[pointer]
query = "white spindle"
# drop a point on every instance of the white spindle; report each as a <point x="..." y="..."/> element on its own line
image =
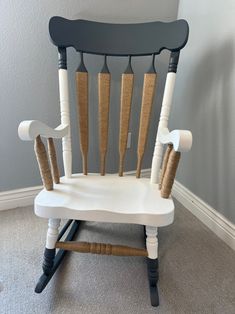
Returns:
<point x="65" y="120"/>
<point x="163" y="123"/>
<point x="52" y="233"/>
<point x="152" y="242"/>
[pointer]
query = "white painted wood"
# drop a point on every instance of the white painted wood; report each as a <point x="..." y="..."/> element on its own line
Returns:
<point x="152" y="242"/>
<point x="25" y="197"/>
<point x="181" y="139"/>
<point x="163" y="123"/>
<point x="65" y="120"/>
<point x="52" y="233"/>
<point x="220" y="225"/>
<point x="107" y="199"/>
<point x="18" y="198"/>
<point x="28" y="130"/>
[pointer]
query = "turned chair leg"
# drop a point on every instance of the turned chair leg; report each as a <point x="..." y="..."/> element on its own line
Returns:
<point x="51" y="260"/>
<point x="152" y="263"/>
<point x="49" y="253"/>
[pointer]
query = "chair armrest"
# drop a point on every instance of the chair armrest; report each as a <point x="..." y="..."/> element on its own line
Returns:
<point x="181" y="139"/>
<point x="33" y="130"/>
<point x="28" y="130"/>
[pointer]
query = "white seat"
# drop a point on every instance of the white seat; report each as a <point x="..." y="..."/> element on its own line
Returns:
<point x="107" y="199"/>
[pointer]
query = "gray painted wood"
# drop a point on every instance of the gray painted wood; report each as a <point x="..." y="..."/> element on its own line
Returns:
<point x="132" y="39"/>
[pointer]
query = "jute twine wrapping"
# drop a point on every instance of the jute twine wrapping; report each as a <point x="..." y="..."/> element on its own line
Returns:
<point x="82" y="106"/>
<point x="43" y="164"/>
<point x="164" y="164"/>
<point x="53" y="160"/>
<point x="104" y="99"/>
<point x="101" y="248"/>
<point x="146" y="106"/>
<point x="125" y="109"/>
<point x="170" y="173"/>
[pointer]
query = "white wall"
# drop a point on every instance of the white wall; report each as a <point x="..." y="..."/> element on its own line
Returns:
<point x="205" y="102"/>
<point x="29" y="85"/>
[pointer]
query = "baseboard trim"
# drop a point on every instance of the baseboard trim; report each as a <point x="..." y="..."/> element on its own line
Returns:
<point x="18" y="198"/>
<point x="144" y="172"/>
<point x="216" y="222"/>
<point x="25" y="197"/>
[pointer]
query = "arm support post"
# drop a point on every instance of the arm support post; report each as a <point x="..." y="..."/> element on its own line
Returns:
<point x="53" y="160"/>
<point x="178" y="141"/>
<point x="43" y="164"/>
<point x="170" y="172"/>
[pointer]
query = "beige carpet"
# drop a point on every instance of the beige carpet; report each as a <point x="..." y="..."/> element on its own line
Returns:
<point x="197" y="270"/>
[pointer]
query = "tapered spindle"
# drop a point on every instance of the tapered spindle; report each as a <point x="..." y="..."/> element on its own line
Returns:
<point x="43" y="163"/>
<point x="82" y="110"/>
<point x="104" y="78"/>
<point x="125" y="110"/>
<point x="53" y="160"/>
<point x="169" y="175"/>
<point x="146" y="106"/>
<point x="164" y="164"/>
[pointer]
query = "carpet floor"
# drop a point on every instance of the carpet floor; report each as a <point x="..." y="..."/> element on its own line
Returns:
<point x="197" y="270"/>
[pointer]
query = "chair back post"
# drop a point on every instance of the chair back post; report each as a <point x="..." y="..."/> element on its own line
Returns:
<point x="64" y="110"/>
<point x="164" y="115"/>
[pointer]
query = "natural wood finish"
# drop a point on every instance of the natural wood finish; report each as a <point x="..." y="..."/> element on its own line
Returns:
<point x="82" y="110"/>
<point x="170" y="173"/>
<point x="104" y="100"/>
<point x="164" y="164"/>
<point x="147" y="101"/>
<point x="53" y="160"/>
<point x="43" y="163"/>
<point x="101" y="248"/>
<point x="125" y="109"/>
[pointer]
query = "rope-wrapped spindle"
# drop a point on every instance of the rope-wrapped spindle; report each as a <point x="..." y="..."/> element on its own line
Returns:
<point x="164" y="164"/>
<point x="149" y="87"/>
<point x="170" y="173"/>
<point x="104" y="79"/>
<point x="43" y="163"/>
<point x="53" y="160"/>
<point x="82" y="105"/>
<point x="125" y="110"/>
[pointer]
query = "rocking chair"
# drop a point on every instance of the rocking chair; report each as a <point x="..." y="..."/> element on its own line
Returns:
<point x="112" y="198"/>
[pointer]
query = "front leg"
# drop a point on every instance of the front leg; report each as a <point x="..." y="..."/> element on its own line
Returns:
<point x="51" y="261"/>
<point x="49" y="253"/>
<point x="152" y="263"/>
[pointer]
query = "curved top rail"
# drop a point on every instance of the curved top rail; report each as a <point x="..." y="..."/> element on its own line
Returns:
<point x="118" y="39"/>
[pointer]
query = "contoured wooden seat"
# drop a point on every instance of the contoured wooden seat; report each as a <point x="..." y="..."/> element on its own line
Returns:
<point x="106" y="199"/>
<point x="109" y="197"/>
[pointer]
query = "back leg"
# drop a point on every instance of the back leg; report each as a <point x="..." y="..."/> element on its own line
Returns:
<point x="152" y="263"/>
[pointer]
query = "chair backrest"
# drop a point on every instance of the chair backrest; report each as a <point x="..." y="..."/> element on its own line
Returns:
<point x="127" y="40"/>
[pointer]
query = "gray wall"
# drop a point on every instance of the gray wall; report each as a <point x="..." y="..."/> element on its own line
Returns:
<point x="205" y="102"/>
<point x="29" y="84"/>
